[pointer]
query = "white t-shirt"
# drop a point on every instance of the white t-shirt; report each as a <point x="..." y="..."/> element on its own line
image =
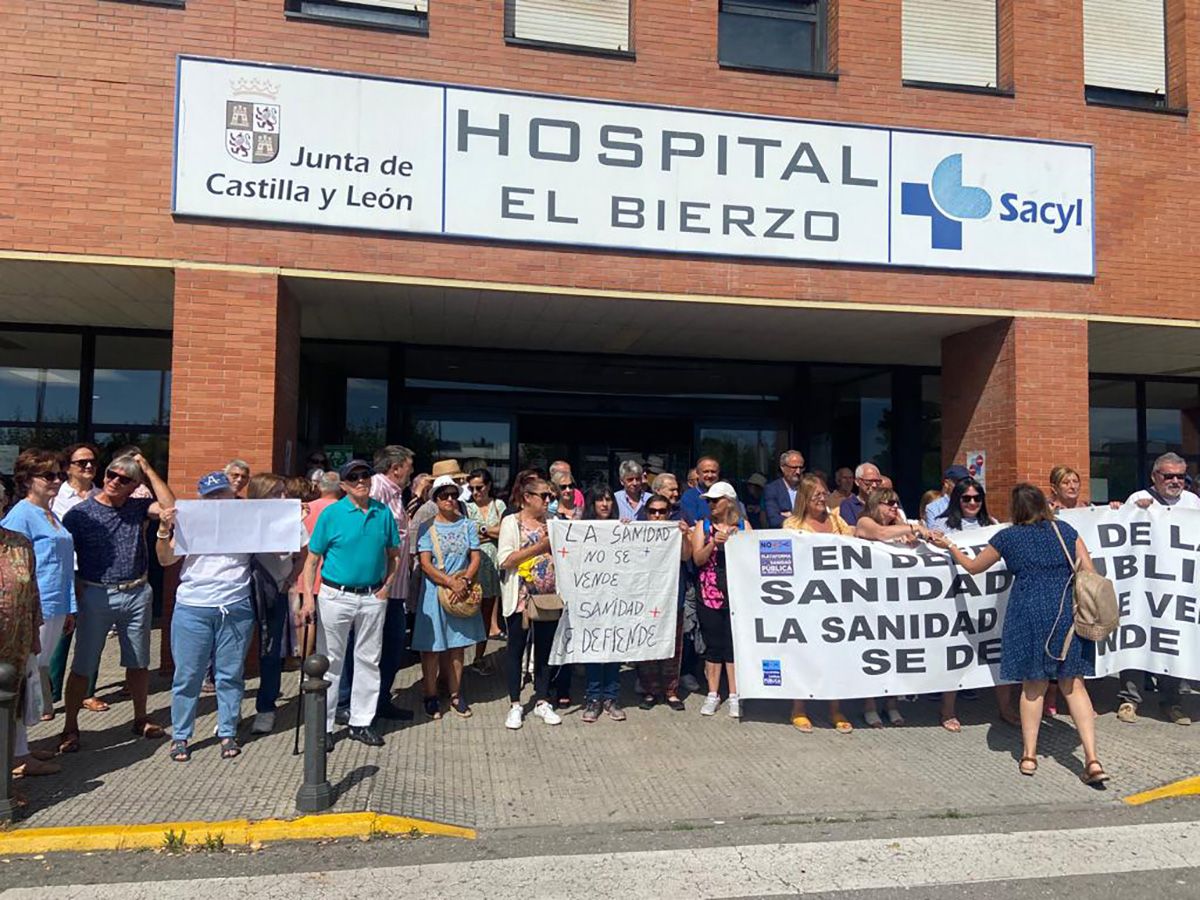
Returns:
<point x="1187" y="500"/>
<point x="279" y="565"/>
<point x="214" y="579"/>
<point x="66" y="499"/>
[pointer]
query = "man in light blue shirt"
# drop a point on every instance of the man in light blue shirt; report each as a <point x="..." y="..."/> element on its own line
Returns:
<point x="631" y="499"/>
<point x="953" y="475"/>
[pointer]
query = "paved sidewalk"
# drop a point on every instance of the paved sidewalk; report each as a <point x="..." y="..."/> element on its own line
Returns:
<point x="656" y="768"/>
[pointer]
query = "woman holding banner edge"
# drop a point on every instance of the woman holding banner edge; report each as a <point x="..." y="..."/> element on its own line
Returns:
<point x="1041" y="554"/>
<point x="811" y="514"/>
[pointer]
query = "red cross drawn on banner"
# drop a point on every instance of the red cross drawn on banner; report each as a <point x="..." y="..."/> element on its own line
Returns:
<point x="563" y="552"/>
<point x="655" y="613"/>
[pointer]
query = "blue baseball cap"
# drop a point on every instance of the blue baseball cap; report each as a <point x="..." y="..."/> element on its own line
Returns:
<point x="213" y="482"/>
<point x="957" y="473"/>
<point x="353" y="466"/>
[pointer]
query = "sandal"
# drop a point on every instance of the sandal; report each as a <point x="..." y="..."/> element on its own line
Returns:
<point x="144" y="728"/>
<point x="68" y="742"/>
<point x="894" y="717"/>
<point x="92" y="704"/>
<point x="951" y="724"/>
<point x="47" y="717"/>
<point x="180" y="751"/>
<point x="1026" y="760"/>
<point x="460" y="706"/>
<point x="802" y="724"/>
<point x="841" y="724"/>
<point x="433" y="708"/>
<point x="871" y="717"/>
<point x="230" y="748"/>
<point x="1093" y="773"/>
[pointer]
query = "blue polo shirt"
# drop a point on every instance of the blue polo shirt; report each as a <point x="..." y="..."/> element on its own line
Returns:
<point x="354" y="542"/>
<point x="852" y="507"/>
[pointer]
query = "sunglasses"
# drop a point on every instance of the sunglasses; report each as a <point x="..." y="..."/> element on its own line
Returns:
<point x="48" y="476"/>
<point x="971" y="498"/>
<point x="657" y="511"/>
<point x="890" y="503"/>
<point x="1172" y="477"/>
<point x="446" y="495"/>
<point x="549" y="498"/>
<point x="112" y="475"/>
<point x="357" y="477"/>
<point x="478" y="487"/>
<point x="84" y="463"/>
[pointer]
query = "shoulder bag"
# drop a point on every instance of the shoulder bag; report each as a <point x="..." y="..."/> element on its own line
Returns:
<point x="1094" y="604"/>
<point x="462" y="607"/>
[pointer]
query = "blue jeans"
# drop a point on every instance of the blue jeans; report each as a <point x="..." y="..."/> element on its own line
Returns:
<point x="395" y="640"/>
<point x="603" y="681"/>
<point x="270" y="667"/>
<point x="196" y="632"/>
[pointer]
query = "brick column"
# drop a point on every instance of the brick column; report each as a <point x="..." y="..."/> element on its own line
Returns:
<point x="235" y="370"/>
<point x="1017" y="389"/>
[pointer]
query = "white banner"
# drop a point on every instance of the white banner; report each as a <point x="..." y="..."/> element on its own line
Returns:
<point x="620" y="590"/>
<point x="237" y="526"/>
<point x="331" y="149"/>
<point x="825" y="617"/>
<point x="1150" y="555"/>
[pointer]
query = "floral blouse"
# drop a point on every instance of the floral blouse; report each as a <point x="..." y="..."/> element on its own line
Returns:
<point x="20" y="605"/>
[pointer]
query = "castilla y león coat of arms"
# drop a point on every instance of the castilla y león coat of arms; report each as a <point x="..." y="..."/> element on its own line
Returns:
<point x="252" y="125"/>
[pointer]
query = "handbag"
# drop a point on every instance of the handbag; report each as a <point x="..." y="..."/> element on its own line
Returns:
<point x="462" y="607"/>
<point x="1095" y="613"/>
<point x="543" y="608"/>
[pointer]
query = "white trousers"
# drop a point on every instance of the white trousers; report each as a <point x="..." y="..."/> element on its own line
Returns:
<point x="50" y="633"/>
<point x="338" y="612"/>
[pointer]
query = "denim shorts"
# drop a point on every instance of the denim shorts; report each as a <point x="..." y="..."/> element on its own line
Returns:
<point x="101" y="608"/>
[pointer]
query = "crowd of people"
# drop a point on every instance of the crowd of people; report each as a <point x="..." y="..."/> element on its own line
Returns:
<point x="442" y="562"/>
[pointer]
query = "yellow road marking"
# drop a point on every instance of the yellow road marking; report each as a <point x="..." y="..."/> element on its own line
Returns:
<point x="1185" y="788"/>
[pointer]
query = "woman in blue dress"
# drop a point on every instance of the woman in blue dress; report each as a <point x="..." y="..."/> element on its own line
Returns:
<point x="440" y="637"/>
<point x="1038" y="617"/>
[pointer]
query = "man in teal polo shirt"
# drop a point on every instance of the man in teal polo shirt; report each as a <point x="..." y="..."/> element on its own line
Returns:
<point x="357" y="545"/>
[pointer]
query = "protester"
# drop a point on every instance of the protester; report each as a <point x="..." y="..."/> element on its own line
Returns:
<point x="393" y="465"/>
<point x="779" y="497"/>
<point x="1042" y="555"/>
<point x="708" y="473"/>
<point x="78" y="486"/>
<point x="524" y="544"/>
<point x="37" y="475"/>
<point x="709" y="537"/>
<point x="631" y="498"/>
<point x="450" y="557"/>
<point x="693" y="477"/>
<point x="562" y="467"/>
<point x="866" y="479"/>
<point x="212" y="622"/>
<point x="20" y="623"/>
<point x="952" y="476"/>
<point x="1168" y="478"/>
<point x="966" y="510"/>
<point x="601" y="503"/>
<point x="419" y="490"/>
<point x="110" y="548"/>
<point x="565" y="507"/>
<point x="238" y="473"/>
<point x="1065" y="489"/>
<point x="812" y="514"/>
<point x="357" y="546"/>
<point x="660" y="677"/>
<point x="844" y="478"/>
<point x="926" y="498"/>
<point x="486" y="512"/>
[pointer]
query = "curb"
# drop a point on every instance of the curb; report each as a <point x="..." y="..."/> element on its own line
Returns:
<point x="1185" y="788"/>
<point x="234" y="832"/>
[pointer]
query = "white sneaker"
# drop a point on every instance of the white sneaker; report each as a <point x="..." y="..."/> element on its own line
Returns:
<point x="546" y="713"/>
<point x="689" y="681"/>
<point x="516" y="718"/>
<point x="264" y="723"/>
<point x="735" y="707"/>
<point x="711" y="704"/>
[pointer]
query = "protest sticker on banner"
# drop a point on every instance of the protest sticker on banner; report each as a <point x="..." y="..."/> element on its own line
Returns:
<point x="828" y="617"/>
<point x="1151" y="557"/>
<point x="620" y="589"/>
<point x="238" y="526"/>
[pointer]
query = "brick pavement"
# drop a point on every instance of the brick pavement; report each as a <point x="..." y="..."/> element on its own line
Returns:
<point x="656" y="768"/>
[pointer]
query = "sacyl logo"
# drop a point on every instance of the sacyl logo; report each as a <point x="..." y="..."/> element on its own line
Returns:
<point x="947" y="202"/>
<point x="943" y="198"/>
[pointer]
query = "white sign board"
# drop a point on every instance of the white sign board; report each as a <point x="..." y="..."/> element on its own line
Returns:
<point x="620" y="590"/>
<point x="826" y="617"/>
<point x="331" y="149"/>
<point x="238" y="526"/>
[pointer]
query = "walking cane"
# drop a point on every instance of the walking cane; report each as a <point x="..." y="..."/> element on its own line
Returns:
<point x="300" y="694"/>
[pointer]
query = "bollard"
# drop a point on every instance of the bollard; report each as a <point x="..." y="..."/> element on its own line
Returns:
<point x="316" y="794"/>
<point x="9" y="682"/>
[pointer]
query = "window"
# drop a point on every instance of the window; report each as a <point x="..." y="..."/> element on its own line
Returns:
<point x="773" y="35"/>
<point x="1124" y="51"/>
<point x="39" y="389"/>
<point x="592" y="24"/>
<point x="404" y="15"/>
<point x="1113" y="430"/>
<point x="366" y="412"/>
<point x="950" y="42"/>
<point x="474" y="443"/>
<point x="132" y="382"/>
<point x="743" y="452"/>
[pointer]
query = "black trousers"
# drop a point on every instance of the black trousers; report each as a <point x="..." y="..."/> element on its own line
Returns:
<point x="542" y="635"/>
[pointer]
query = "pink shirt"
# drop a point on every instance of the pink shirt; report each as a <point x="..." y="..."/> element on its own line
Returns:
<point x="385" y="491"/>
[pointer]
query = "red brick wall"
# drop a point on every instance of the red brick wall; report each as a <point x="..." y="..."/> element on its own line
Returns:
<point x="228" y="361"/>
<point x="1017" y="389"/>
<point x="86" y="98"/>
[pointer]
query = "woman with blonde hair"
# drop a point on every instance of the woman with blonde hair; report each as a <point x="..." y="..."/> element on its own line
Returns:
<point x="1065" y="489"/>
<point x="812" y="515"/>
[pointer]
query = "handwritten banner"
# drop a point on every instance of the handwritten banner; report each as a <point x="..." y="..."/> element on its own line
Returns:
<point x="237" y="526"/>
<point x="817" y="616"/>
<point x="1150" y="555"/>
<point x="620" y="587"/>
